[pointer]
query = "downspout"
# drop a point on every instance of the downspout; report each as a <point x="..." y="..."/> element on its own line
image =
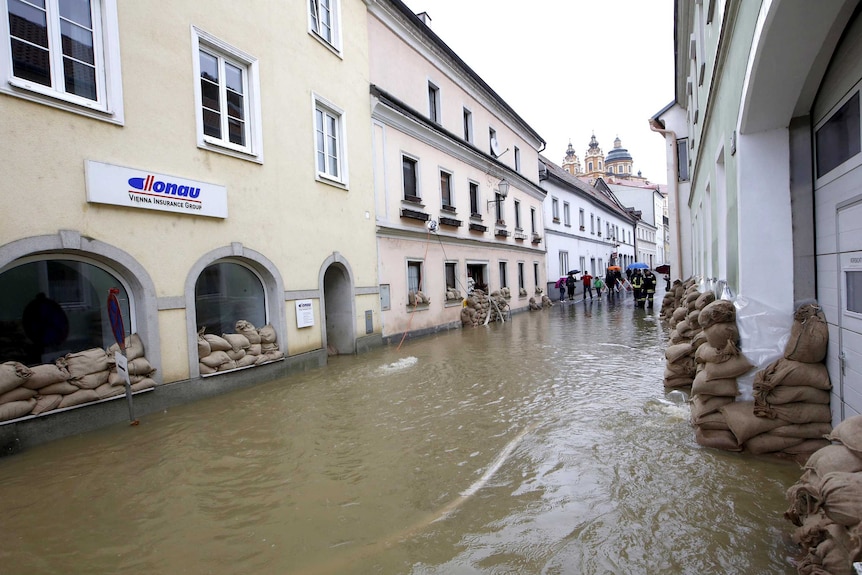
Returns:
<point x="655" y="126"/>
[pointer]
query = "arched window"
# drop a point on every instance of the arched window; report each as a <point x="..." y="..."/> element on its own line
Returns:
<point x="51" y="307"/>
<point x="225" y="292"/>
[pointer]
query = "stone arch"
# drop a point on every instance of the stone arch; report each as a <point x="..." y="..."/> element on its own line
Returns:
<point x="140" y="284"/>
<point x="273" y="286"/>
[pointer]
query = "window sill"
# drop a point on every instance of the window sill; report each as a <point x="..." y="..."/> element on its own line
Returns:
<point x="329" y="46"/>
<point x="204" y="375"/>
<point x="323" y="179"/>
<point x="48" y="97"/>
<point x="420" y="307"/>
<point x="413" y="200"/>
<point x="219" y="147"/>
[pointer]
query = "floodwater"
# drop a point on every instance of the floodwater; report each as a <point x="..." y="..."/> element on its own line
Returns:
<point x="544" y="445"/>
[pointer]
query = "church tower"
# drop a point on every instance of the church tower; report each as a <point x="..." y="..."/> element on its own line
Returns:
<point x="619" y="161"/>
<point x="572" y="164"/>
<point x="594" y="161"/>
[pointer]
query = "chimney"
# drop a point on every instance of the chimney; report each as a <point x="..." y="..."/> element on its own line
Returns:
<point x="426" y="19"/>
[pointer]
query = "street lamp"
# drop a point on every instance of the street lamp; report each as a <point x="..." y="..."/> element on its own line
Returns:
<point x="502" y="191"/>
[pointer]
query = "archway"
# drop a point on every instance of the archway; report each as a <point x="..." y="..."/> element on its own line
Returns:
<point x="338" y="307"/>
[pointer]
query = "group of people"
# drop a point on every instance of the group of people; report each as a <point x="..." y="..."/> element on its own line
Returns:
<point x="641" y="284"/>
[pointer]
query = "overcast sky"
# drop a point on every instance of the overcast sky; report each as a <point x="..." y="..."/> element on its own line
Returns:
<point x="571" y="68"/>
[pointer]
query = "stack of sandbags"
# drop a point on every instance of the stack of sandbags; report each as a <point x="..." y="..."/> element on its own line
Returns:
<point x="454" y="295"/>
<point x="140" y="369"/>
<point x="685" y="338"/>
<point x="826" y="504"/>
<point x="16" y="400"/>
<point x="796" y="388"/>
<point x="249" y="346"/>
<point x="417" y="298"/>
<point x="74" y="379"/>
<point x="720" y="363"/>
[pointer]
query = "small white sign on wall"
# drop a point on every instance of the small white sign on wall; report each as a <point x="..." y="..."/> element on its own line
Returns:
<point x="304" y="313"/>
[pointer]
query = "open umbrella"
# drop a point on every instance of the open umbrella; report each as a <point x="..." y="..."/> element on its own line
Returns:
<point x="614" y="268"/>
<point x="637" y="266"/>
<point x="574" y="271"/>
<point x="663" y="269"/>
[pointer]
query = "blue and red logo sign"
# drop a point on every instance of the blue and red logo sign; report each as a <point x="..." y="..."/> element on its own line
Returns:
<point x="151" y="184"/>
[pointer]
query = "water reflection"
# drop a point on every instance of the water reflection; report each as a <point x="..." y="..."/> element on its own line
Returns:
<point x="543" y="445"/>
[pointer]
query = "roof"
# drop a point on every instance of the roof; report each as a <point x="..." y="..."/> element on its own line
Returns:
<point x="607" y="200"/>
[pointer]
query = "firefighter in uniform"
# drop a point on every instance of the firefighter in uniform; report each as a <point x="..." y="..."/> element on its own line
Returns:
<point x="637" y="282"/>
<point x="649" y="287"/>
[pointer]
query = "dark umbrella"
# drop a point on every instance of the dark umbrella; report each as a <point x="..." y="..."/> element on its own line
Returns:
<point x="663" y="269"/>
<point x="574" y="272"/>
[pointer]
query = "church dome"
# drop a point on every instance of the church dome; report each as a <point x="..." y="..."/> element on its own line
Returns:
<point x="618" y="153"/>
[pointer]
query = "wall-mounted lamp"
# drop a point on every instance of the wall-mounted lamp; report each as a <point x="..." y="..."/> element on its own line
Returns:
<point x="502" y="191"/>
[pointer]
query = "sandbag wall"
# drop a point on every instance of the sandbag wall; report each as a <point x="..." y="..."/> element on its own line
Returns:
<point x="479" y="306"/>
<point x="826" y="504"/>
<point x="74" y="379"/>
<point x="248" y="346"/>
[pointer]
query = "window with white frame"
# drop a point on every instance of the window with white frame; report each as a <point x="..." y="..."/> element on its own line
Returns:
<point x="451" y="273"/>
<point x="409" y="181"/>
<point x="433" y="103"/>
<point x="329" y="141"/>
<point x="446" y="189"/>
<point x="324" y="22"/>
<point x="414" y="276"/>
<point x="520" y="275"/>
<point x="517" y="215"/>
<point x="474" y="200"/>
<point x="581" y="218"/>
<point x="536" y="274"/>
<point x="533" y="220"/>
<point x="517" y="159"/>
<point x="468" y="125"/>
<point x="555" y="210"/>
<point x="564" y="263"/>
<point x="567" y="218"/>
<point x="503" y="272"/>
<point x="228" y="100"/>
<point x="63" y="53"/>
<point x="599" y="225"/>
<point x="592" y="223"/>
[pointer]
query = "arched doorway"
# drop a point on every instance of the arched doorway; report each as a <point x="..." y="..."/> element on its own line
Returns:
<point x="338" y="309"/>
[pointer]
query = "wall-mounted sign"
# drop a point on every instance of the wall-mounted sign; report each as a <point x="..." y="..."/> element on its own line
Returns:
<point x="304" y="313"/>
<point x="129" y="187"/>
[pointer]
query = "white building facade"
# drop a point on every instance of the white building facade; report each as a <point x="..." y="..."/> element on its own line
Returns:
<point x="766" y="166"/>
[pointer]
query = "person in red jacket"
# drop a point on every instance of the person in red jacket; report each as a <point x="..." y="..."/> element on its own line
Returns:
<point x="588" y="284"/>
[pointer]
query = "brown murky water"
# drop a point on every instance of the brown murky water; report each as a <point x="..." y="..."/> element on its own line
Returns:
<point x="545" y="445"/>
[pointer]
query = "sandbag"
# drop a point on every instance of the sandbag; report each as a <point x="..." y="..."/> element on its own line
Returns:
<point x="134" y="347"/>
<point x="253" y="349"/>
<point x="45" y="375"/>
<point x="676" y="352"/>
<point x="62" y="388"/>
<point x="107" y="390"/>
<point x="841" y="497"/>
<point x="205" y="369"/>
<point x="834" y="458"/>
<point x="20" y="393"/>
<point x="246" y="360"/>
<point x="215" y="359"/>
<point x="677" y="381"/>
<point x="789" y="372"/>
<point x="116" y="379"/>
<point x="685" y="367"/>
<point x="702" y="386"/>
<point x="91" y="381"/>
<point x="216" y="343"/>
<point x="712" y="421"/>
<point x="204" y="348"/>
<point x="140" y="366"/>
<point x="790" y="394"/>
<point x="706" y="353"/>
<point x="815" y="430"/>
<point x="236" y="355"/>
<point x="704" y="300"/>
<point x="238" y="342"/>
<point x="702" y="405"/>
<point x="744" y="424"/>
<point x="144" y="384"/>
<point x="85" y="362"/>
<point x="718" y="311"/>
<point x="729" y="369"/>
<point x="248" y="330"/>
<point x="716" y="438"/>
<point x="720" y="334"/>
<point x="16" y="409"/>
<point x="769" y="443"/>
<point x="809" y="335"/>
<point x="79" y="397"/>
<point x="46" y="403"/>
<point x="849" y="434"/>
<point x="802" y="412"/>
<point x="12" y="375"/>
<point x="267" y="334"/>
<point x="227" y="366"/>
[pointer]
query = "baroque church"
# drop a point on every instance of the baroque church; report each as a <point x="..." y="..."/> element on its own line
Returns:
<point x="615" y="167"/>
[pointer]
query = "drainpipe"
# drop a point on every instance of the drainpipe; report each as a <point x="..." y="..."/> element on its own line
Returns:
<point x="657" y="127"/>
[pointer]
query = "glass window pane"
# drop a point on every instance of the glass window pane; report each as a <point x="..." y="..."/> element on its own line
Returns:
<point x="854" y="291"/>
<point x="212" y="124"/>
<point x="236" y="131"/>
<point x="226" y="293"/>
<point x="235" y="105"/>
<point x="31" y="63"/>
<point x="209" y="95"/>
<point x="233" y="78"/>
<point x="77" y="11"/>
<point x="29" y="23"/>
<point x="839" y="138"/>
<point x="80" y="79"/>
<point x="209" y="67"/>
<point x="54" y="307"/>
<point x="78" y="43"/>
